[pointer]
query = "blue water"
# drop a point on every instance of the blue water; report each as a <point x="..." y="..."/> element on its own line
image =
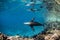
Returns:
<point x="14" y="14"/>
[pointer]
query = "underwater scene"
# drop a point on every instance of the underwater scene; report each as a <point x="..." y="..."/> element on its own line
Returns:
<point x="29" y="19"/>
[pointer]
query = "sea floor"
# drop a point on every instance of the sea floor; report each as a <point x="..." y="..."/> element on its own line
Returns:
<point x="49" y="35"/>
